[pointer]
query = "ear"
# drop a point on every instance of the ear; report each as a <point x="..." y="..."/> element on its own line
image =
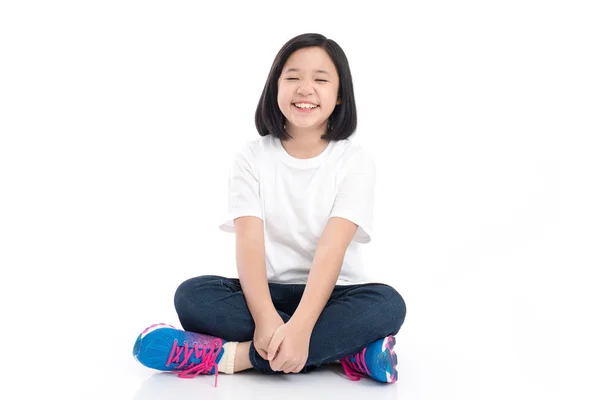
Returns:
<point x="339" y="101"/>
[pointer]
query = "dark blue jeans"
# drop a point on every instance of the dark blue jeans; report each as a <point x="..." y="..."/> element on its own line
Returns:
<point x="355" y="316"/>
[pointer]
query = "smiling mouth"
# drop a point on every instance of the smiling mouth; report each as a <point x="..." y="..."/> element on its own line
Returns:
<point x="305" y="106"/>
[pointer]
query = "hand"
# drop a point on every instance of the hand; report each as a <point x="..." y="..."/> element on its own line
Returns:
<point x="288" y="350"/>
<point x="263" y="332"/>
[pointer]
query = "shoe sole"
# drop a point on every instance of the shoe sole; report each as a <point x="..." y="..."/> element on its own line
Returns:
<point x="392" y="358"/>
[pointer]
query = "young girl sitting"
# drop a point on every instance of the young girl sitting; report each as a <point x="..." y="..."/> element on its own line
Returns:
<point x="300" y="205"/>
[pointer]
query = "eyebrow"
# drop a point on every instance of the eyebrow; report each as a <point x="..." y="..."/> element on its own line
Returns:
<point x="321" y="71"/>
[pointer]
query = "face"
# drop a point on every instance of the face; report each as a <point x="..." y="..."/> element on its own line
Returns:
<point x="308" y="79"/>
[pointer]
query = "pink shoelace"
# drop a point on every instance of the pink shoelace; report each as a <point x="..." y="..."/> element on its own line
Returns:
<point x="208" y="357"/>
<point x="354" y="370"/>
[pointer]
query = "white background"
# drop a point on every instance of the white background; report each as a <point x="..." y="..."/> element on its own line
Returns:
<point x="118" y="121"/>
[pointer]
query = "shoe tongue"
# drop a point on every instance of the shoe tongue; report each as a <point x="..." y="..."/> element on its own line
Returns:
<point x="197" y="358"/>
<point x="202" y="354"/>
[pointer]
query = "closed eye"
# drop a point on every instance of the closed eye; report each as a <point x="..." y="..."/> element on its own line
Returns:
<point x="292" y="79"/>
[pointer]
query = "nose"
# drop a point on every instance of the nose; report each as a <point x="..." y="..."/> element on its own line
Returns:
<point x="305" y="87"/>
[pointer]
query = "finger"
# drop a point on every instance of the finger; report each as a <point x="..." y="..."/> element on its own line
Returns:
<point x="274" y="364"/>
<point x="288" y="367"/>
<point x="262" y="353"/>
<point x="274" y="345"/>
<point x="277" y="362"/>
<point x="298" y="368"/>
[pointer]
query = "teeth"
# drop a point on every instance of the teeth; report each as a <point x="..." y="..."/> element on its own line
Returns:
<point x="305" y="105"/>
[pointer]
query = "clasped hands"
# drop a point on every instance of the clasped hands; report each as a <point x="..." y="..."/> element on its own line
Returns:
<point x="284" y="345"/>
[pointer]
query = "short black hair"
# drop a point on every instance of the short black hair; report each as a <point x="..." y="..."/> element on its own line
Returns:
<point x="270" y="120"/>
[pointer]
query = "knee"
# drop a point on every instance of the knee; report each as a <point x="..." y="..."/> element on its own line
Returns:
<point x="191" y="291"/>
<point x="394" y="305"/>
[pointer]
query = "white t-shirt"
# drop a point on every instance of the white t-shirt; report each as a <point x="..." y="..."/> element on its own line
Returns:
<point x="296" y="197"/>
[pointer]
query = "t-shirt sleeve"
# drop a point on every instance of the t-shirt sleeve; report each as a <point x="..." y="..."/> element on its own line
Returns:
<point x="355" y="195"/>
<point x="244" y="196"/>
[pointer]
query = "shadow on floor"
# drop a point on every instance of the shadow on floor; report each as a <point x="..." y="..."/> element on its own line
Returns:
<point x="326" y="382"/>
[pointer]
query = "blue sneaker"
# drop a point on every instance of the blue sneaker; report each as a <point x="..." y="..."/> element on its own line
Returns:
<point x="378" y="360"/>
<point x="165" y="348"/>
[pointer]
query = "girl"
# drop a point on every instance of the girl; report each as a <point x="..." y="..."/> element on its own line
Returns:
<point x="300" y="204"/>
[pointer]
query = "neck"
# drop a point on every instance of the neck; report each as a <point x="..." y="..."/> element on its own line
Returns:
<point x="305" y="143"/>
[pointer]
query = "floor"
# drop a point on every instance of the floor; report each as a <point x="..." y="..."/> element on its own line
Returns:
<point x="100" y="366"/>
<point x="473" y="336"/>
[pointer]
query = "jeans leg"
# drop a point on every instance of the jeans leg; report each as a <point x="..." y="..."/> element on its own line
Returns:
<point x="215" y="305"/>
<point x="354" y="317"/>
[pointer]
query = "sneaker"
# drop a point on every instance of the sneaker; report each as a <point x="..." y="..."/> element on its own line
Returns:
<point x="165" y="348"/>
<point x="378" y="360"/>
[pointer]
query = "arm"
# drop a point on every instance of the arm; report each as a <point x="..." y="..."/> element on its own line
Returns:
<point x="250" y="259"/>
<point x="353" y="207"/>
<point x="288" y="350"/>
<point x="327" y="263"/>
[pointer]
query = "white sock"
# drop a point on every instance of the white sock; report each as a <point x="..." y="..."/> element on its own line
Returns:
<point x="228" y="358"/>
